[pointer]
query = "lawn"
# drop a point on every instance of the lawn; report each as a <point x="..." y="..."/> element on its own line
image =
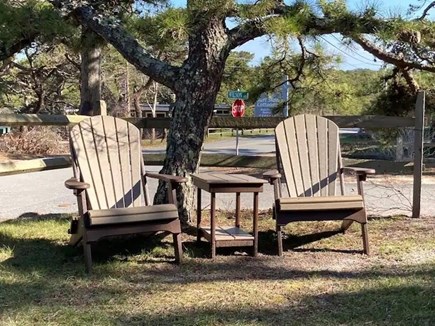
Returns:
<point x="322" y="282"/>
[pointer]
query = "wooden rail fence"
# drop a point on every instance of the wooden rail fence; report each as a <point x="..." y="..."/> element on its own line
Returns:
<point x="367" y="121"/>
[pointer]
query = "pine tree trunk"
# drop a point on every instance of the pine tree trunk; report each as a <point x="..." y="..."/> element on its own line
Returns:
<point x="189" y="124"/>
<point x="90" y="80"/>
<point x="196" y="93"/>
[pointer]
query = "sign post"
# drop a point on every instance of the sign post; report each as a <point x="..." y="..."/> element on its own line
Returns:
<point x="238" y="111"/>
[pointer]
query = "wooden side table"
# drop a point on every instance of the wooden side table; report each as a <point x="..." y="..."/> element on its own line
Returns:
<point x="227" y="183"/>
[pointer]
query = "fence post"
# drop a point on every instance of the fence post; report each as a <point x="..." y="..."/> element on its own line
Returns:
<point x="100" y="108"/>
<point x="418" y="153"/>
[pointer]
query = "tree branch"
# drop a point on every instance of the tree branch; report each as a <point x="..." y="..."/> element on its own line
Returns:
<point x="311" y="24"/>
<point x="254" y="28"/>
<point x="7" y="52"/>
<point x="4" y="68"/>
<point x="72" y="61"/>
<point x="129" y="47"/>
<point x="426" y="11"/>
<point x="410" y="80"/>
<point x="391" y="58"/>
<point x="246" y="32"/>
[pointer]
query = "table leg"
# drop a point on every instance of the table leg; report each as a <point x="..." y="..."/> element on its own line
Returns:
<point x="198" y="215"/>
<point x="237" y="209"/>
<point x="213" y="224"/>
<point x="255" y="226"/>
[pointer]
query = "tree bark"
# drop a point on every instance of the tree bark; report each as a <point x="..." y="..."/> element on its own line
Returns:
<point x="196" y="91"/>
<point x="90" y="80"/>
<point x="191" y="117"/>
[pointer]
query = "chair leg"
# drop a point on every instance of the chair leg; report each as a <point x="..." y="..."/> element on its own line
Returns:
<point x="365" y="238"/>
<point x="178" y="247"/>
<point x="88" y="256"/>
<point x="279" y="235"/>
<point x="345" y="225"/>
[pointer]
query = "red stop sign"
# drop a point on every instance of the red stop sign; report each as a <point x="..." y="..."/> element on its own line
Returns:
<point x="238" y="108"/>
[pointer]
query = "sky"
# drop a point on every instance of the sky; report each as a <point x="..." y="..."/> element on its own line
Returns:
<point x="352" y="57"/>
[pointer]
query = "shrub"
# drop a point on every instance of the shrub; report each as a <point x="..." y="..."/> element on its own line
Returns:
<point x="34" y="141"/>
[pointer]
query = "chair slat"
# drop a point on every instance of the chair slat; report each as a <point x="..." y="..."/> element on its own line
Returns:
<point x="133" y="214"/>
<point x="86" y="153"/>
<point x="333" y="144"/>
<point x="313" y="153"/>
<point x="124" y="159"/>
<point x="78" y="148"/>
<point x="322" y="134"/>
<point x="340" y="165"/>
<point x="293" y="170"/>
<point x="115" y="171"/>
<point x="326" y="203"/>
<point x="106" y="193"/>
<point x="282" y="149"/>
<point x="304" y="160"/>
<point x="294" y="156"/>
<point x="135" y="161"/>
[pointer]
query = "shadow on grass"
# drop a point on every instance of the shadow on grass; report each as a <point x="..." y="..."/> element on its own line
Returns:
<point x="267" y="244"/>
<point x="50" y="274"/>
<point x="35" y="253"/>
<point x="395" y="305"/>
<point x="32" y="253"/>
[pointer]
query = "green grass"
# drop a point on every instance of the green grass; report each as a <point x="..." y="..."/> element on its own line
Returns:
<point x="217" y="135"/>
<point x="322" y="282"/>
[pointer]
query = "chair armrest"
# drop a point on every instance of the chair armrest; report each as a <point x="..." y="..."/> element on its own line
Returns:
<point x="358" y="170"/>
<point x="166" y="177"/>
<point x="274" y="178"/>
<point x="172" y="181"/>
<point x="271" y="175"/>
<point x="73" y="183"/>
<point x="360" y="173"/>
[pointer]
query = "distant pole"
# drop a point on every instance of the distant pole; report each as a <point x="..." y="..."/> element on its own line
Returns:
<point x="237" y="141"/>
<point x="418" y="153"/>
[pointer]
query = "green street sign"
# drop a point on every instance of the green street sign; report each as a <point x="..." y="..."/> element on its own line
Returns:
<point x="238" y="95"/>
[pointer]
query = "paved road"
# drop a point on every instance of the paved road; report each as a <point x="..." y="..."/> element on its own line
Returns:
<point x="263" y="145"/>
<point x="44" y="192"/>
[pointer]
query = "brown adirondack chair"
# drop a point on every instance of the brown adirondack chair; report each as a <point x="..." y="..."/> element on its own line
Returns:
<point x="309" y="158"/>
<point x="110" y="184"/>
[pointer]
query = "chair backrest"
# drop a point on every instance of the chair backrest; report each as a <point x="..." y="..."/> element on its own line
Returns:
<point x="308" y="155"/>
<point x="107" y="154"/>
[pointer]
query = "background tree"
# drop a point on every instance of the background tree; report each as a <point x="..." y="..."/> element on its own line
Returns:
<point x="27" y="22"/>
<point x="45" y="79"/>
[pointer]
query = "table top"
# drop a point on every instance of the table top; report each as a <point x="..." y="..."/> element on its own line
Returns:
<point x="222" y="182"/>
